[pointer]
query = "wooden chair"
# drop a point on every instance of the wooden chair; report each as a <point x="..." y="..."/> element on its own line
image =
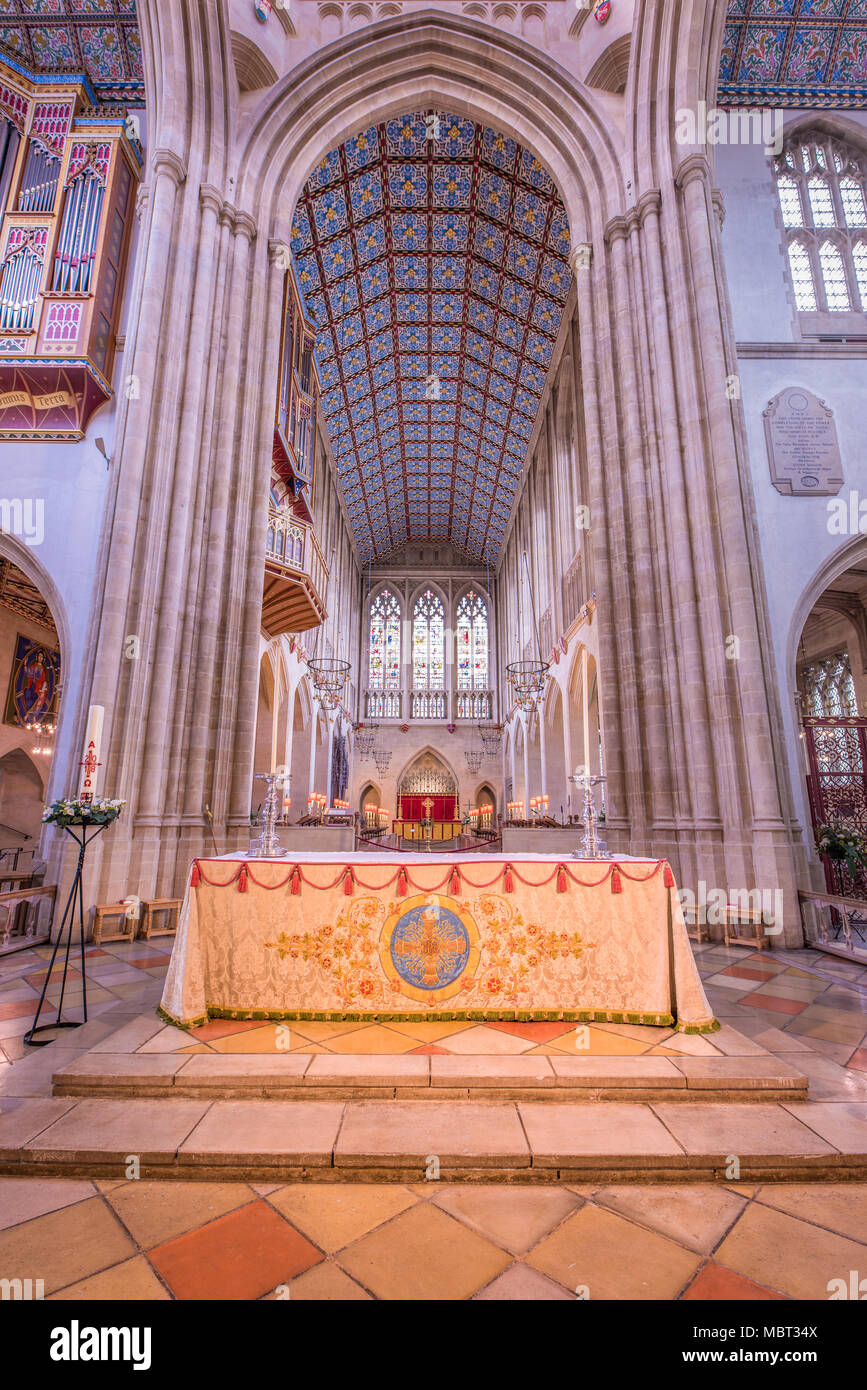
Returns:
<point x="159" y="917"/>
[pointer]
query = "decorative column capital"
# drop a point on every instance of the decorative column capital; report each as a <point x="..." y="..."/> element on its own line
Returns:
<point x="695" y="166"/>
<point x="719" y="205"/>
<point x="244" y="225"/>
<point x="211" y="199"/>
<point x="166" y="161"/>
<point x="649" y="205"/>
<point x="279" y="254"/>
<point x="618" y="228"/>
<point x="581" y="257"/>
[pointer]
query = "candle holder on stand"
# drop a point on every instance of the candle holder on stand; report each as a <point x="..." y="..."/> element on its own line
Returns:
<point x="83" y="814"/>
<point x="267" y="846"/>
<point x="593" y="846"/>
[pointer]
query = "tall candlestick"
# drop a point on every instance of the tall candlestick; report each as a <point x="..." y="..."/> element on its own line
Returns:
<point x="92" y="744"/>
<point x="585" y="708"/>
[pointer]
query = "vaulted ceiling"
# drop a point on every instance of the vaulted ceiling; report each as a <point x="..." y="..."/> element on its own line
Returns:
<point x="436" y="270"/>
<point x="96" y="37"/>
<point x="795" y="53"/>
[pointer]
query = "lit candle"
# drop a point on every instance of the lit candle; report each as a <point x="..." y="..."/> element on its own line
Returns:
<point x="92" y="744"/>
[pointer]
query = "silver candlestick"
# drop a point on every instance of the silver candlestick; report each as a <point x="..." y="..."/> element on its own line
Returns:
<point x="268" y="846"/>
<point x="594" y="846"/>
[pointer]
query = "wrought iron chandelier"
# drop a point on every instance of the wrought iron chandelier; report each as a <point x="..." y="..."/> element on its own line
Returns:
<point x="474" y="759"/>
<point x="492" y="738"/>
<point x="329" y="676"/>
<point x="382" y="758"/>
<point x="527" y="679"/>
<point x="365" y="739"/>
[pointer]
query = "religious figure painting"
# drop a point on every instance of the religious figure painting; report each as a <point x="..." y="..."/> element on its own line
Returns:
<point x="33" y="683"/>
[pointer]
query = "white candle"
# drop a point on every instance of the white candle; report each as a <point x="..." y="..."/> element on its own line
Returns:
<point x="585" y="708"/>
<point x="274" y="724"/>
<point x="92" y="745"/>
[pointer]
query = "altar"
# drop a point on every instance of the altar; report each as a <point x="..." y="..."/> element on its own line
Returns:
<point x="398" y="936"/>
<point x="437" y="830"/>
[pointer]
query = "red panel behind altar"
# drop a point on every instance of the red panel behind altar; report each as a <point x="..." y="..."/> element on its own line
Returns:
<point x="411" y="807"/>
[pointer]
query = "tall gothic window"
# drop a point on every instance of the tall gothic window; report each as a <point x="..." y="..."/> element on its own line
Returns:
<point x="428" y="657"/>
<point x="384" y="664"/>
<point x="821" y="185"/>
<point x="472" y="642"/>
<point x="829" y="688"/>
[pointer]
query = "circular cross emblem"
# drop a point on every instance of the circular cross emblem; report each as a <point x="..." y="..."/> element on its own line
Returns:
<point x="427" y="946"/>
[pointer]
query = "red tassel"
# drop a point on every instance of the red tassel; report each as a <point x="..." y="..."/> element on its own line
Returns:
<point x="242" y="879"/>
<point x="195" y="876"/>
<point x="561" y="879"/>
<point x="347" y="882"/>
<point x="455" y="881"/>
<point x="296" y="880"/>
<point x="402" y="883"/>
<point x="508" y="880"/>
<point x="616" y="883"/>
<point x="668" y="876"/>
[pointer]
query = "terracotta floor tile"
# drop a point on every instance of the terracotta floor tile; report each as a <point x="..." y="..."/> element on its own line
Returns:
<point x="23" y="1199"/>
<point x="316" y="1031"/>
<point x="197" y="1047"/>
<point x="326" y="1283"/>
<point x="266" y="1038"/>
<point x="520" y="1284"/>
<point x="170" y="1039"/>
<point x="130" y="1281"/>
<point x="242" y="1255"/>
<point x="692" y="1045"/>
<point x="430" y="1050"/>
<point x="697" y="1217"/>
<point x="786" y="1254"/>
<point x="641" y="1032"/>
<point x="22" y="1008"/>
<point x="761" y="999"/>
<point x="423" y="1255"/>
<point x="514" y="1217"/>
<point x="488" y="1041"/>
<point x="844" y="1034"/>
<point x="858" y="1060"/>
<point x="613" y="1258"/>
<point x="601" y="1043"/>
<point x="311" y="1048"/>
<point x="154" y="1212"/>
<point x="222" y="1028"/>
<point x="65" y="1246"/>
<point x="840" y="1207"/>
<point x="718" y="1284"/>
<point x="373" y="1039"/>
<point x="334" y="1215"/>
<point x="745" y="972"/>
<point x="536" y="1033"/>
<point x="430" y="1032"/>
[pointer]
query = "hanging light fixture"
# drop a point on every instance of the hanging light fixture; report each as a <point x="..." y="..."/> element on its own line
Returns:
<point x="382" y="758"/>
<point x="329" y="676"/>
<point x="365" y="739"/>
<point x="474" y="759"/>
<point x="492" y="738"/>
<point x="527" y="679"/>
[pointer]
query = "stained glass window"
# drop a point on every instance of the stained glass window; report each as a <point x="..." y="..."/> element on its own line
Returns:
<point x="823" y="201"/>
<point x="829" y="688"/>
<point x="428" y="643"/>
<point x="472" y="631"/>
<point x="384" y="672"/>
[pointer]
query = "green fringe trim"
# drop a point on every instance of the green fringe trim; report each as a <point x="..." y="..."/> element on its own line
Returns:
<point x="665" y="1020"/>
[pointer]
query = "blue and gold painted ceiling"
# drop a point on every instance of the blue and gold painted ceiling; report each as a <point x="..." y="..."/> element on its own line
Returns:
<point x="96" y="37"/>
<point x="795" y="53"/>
<point x="433" y="258"/>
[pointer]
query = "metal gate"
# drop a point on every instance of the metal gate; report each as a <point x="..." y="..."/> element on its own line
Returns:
<point x="837" y="785"/>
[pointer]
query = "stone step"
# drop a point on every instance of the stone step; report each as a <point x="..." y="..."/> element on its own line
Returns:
<point x="336" y="1077"/>
<point x="414" y="1141"/>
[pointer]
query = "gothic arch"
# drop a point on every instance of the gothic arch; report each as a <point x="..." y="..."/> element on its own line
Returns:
<point x="435" y="753"/>
<point x="852" y="552"/>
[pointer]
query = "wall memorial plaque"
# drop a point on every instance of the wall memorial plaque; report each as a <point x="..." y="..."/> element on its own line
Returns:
<point x="803" y="449"/>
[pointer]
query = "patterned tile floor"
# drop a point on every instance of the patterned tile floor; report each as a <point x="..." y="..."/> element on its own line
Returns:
<point x="164" y="1240"/>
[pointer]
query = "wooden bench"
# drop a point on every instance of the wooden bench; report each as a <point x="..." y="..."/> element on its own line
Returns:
<point x="112" y="922"/>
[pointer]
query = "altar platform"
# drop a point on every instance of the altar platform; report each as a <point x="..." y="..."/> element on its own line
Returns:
<point x="400" y="937"/>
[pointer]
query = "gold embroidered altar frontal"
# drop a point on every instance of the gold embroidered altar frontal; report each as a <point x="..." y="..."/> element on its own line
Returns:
<point x="485" y="938"/>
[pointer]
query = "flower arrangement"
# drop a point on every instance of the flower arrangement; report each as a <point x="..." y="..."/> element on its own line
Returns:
<point x="74" y="811"/>
<point x="842" y="843"/>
